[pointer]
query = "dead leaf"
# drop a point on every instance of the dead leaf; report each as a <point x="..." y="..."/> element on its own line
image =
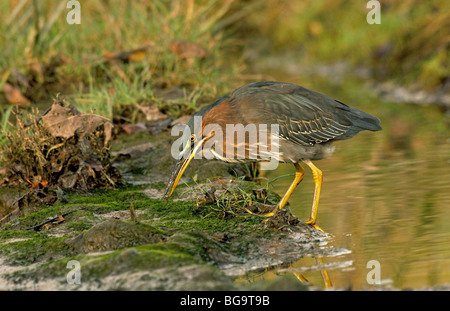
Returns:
<point x="68" y="181"/>
<point x="3" y="170"/>
<point x="60" y="218"/>
<point x="35" y="183"/>
<point x="14" y="95"/>
<point x="135" y="55"/>
<point x="74" y="154"/>
<point x="151" y="113"/>
<point x="66" y="122"/>
<point x="209" y="196"/>
<point x="188" y="50"/>
<point x="134" y="128"/>
<point x="47" y="226"/>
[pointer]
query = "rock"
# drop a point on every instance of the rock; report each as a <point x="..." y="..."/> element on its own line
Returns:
<point x="115" y="234"/>
<point x="134" y="151"/>
<point x="214" y="169"/>
<point x="181" y="120"/>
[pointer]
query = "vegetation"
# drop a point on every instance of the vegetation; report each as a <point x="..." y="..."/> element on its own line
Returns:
<point x="409" y="46"/>
<point x="164" y="237"/>
<point x="121" y="54"/>
<point x="135" y="63"/>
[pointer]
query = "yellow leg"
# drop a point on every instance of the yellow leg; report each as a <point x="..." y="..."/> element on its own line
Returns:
<point x="325" y="276"/>
<point x="300" y="277"/>
<point x="298" y="178"/>
<point x="317" y="174"/>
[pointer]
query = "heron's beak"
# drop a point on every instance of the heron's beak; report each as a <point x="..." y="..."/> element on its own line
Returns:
<point x="186" y="156"/>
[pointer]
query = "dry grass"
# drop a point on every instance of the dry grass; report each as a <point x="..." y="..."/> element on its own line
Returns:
<point x="33" y="157"/>
<point x="121" y="54"/>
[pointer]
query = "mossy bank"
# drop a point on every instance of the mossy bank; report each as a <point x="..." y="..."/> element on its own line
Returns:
<point x="169" y="245"/>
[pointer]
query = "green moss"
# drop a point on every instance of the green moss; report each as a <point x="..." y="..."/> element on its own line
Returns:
<point x="159" y="185"/>
<point x="13" y="234"/>
<point x="145" y="257"/>
<point x="116" y="234"/>
<point x="33" y="218"/>
<point x="170" y="215"/>
<point x="186" y="215"/>
<point x="121" y="196"/>
<point x="152" y="256"/>
<point x="34" y="249"/>
<point x="80" y="225"/>
<point x="169" y="236"/>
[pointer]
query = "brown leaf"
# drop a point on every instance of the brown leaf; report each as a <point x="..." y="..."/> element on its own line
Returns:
<point x="151" y="113"/>
<point x="3" y="170"/>
<point x="188" y="50"/>
<point x="135" y="55"/>
<point x="47" y="226"/>
<point x="35" y="183"/>
<point x="65" y="122"/>
<point x="14" y="96"/>
<point x="134" y="128"/>
<point x="68" y="180"/>
<point x="60" y="218"/>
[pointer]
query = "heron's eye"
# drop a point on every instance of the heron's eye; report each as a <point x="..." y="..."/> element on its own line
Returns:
<point x="192" y="138"/>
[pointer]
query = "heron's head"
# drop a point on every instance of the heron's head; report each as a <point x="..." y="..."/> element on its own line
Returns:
<point x="193" y="139"/>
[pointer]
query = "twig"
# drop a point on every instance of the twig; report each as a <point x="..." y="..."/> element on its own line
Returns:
<point x="133" y="212"/>
<point x="38" y="119"/>
<point x="54" y="219"/>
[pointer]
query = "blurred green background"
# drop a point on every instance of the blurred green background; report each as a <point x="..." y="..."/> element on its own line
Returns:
<point x="206" y="48"/>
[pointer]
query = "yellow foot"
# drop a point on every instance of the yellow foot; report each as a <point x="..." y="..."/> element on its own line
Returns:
<point x="267" y="216"/>
<point x="270" y="214"/>
<point x="264" y="215"/>
<point x="312" y="223"/>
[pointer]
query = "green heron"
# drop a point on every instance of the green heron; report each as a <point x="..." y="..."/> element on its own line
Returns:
<point x="308" y="124"/>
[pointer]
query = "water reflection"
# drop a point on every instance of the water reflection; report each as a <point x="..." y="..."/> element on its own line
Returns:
<point x="385" y="196"/>
<point x="323" y="272"/>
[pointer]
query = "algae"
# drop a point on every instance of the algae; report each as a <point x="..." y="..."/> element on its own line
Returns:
<point x="183" y="243"/>
<point x="169" y="237"/>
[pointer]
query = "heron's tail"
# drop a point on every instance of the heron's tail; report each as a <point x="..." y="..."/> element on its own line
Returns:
<point x="360" y="119"/>
<point x="365" y="121"/>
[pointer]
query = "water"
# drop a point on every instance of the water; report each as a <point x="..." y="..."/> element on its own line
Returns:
<point x="385" y="195"/>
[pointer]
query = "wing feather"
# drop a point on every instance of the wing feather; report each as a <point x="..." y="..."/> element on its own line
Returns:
<point x="305" y="117"/>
